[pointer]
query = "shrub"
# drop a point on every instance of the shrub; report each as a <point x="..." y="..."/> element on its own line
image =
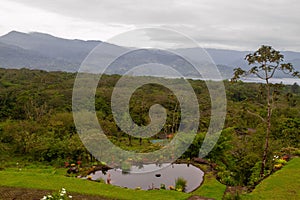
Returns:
<point x="277" y="166"/>
<point x="126" y="166"/>
<point x="280" y="161"/>
<point x="297" y="152"/>
<point x="162" y="186"/>
<point x="226" y="178"/>
<point x="180" y="184"/>
<point x="255" y="174"/>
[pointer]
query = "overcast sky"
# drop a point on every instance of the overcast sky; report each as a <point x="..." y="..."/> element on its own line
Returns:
<point x="231" y="24"/>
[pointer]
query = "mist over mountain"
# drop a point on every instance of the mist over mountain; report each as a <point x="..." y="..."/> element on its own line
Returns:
<point x="16" y="57"/>
<point x="44" y="49"/>
<point x="46" y="52"/>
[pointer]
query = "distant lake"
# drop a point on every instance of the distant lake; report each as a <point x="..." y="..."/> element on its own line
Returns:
<point x="285" y="81"/>
<point x="152" y="175"/>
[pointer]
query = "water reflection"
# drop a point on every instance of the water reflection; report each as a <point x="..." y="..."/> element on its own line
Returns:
<point x="160" y="174"/>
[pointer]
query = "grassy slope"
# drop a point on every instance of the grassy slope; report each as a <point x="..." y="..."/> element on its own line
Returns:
<point x="211" y="188"/>
<point x="53" y="180"/>
<point x="283" y="184"/>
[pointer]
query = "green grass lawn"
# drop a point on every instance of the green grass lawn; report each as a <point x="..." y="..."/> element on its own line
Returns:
<point x="210" y="188"/>
<point x="283" y="184"/>
<point x="39" y="176"/>
<point x="53" y="179"/>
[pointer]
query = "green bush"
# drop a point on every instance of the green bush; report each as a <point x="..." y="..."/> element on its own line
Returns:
<point x="226" y="178"/>
<point x="180" y="184"/>
<point x="255" y="174"/>
<point x="280" y="161"/>
<point x="162" y="186"/>
<point x="297" y="152"/>
<point x="126" y="166"/>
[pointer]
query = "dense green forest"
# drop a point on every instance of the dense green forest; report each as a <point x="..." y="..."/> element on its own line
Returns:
<point x="36" y="122"/>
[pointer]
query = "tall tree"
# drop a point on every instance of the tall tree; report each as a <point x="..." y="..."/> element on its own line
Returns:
<point x="263" y="64"/>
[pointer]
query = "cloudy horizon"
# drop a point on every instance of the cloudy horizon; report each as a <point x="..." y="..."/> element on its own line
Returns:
<point x="231" y="24"/>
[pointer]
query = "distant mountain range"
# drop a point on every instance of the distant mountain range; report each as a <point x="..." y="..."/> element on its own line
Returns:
<point x="46" y="52"/>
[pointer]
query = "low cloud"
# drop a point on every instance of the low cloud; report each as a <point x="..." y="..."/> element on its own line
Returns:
<point x="214" y="23"/>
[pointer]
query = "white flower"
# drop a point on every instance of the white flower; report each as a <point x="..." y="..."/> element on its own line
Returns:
<point x="44" y="198"/>
<point x="63" y="191"/>
<point x="70" y="196"/>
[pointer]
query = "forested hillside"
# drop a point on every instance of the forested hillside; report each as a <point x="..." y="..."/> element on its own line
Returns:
<point x="36" y="121"/>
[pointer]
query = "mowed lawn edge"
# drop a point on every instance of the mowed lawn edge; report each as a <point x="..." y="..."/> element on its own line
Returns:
<point x="283" y="184"/>
<point x="210" y="188"/>
<point x="56" y="182"/>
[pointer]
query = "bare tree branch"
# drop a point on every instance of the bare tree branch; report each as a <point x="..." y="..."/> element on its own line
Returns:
<point x="273" y="72"/>
<point x="257" y="115"/>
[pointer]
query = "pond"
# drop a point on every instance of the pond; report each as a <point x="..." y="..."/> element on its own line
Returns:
<point x="152" y="176"/>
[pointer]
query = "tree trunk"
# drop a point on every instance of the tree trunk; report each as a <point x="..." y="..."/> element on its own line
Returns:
<point x="91" y="157"/>
<point x="129" y="140"/>
<point x="264" y="158"/>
